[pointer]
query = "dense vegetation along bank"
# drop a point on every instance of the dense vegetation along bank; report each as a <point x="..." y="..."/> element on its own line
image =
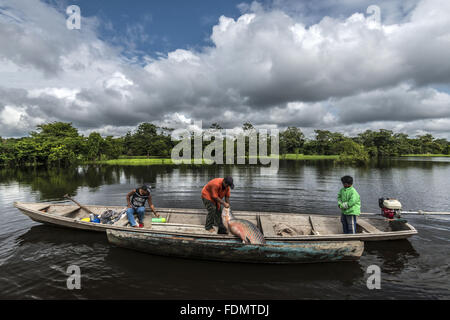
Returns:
<point x="60" y="144"/>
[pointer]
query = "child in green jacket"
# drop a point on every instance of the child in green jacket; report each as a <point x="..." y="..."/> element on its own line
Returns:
<point x="350" y="205"/>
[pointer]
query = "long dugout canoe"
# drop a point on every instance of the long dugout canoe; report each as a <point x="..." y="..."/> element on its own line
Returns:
<point x="275" y="226"/>
<point x="233" y="250"/>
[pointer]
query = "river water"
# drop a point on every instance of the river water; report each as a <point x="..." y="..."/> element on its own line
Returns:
<point x="34" y="257"/>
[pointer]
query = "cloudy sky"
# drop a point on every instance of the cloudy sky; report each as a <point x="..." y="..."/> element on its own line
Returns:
<point x="328" y="64"/>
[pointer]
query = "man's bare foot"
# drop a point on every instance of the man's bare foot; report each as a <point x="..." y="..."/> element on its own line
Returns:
<point x="210" y="230"/>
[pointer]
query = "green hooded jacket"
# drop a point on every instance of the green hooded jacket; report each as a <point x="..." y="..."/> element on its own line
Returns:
<point x="349" y="201"/>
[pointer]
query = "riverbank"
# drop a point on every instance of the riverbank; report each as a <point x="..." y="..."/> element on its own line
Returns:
<point x="425" y="155"/>
<point x="132" y="162"/>
<point x="138" y="161"/>
<point x="141" y="160"/>
<point x="293" y="156"/>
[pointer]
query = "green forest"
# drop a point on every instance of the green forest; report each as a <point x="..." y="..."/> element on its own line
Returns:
<point x="61" y="144"/>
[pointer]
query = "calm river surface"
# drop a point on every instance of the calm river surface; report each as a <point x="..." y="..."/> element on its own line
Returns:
<point x="34" y="257"/>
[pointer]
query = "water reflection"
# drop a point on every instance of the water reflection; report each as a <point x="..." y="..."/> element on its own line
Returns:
<point x="55" y="182"/>
<point x="298" y="186"/>
<point x="114" y="272"/>
<point x="59" y="235"/>
<point x="394" y="255"/>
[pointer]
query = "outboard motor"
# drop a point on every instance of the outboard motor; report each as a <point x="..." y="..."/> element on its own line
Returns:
<point x="390" y="208"/>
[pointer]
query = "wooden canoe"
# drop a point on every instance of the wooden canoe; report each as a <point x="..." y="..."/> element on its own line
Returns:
<point x="286" y="227"/>
<point x="233" y="250"/>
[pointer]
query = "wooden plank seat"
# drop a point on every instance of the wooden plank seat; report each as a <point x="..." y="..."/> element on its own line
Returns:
<point x="366" y="226"/>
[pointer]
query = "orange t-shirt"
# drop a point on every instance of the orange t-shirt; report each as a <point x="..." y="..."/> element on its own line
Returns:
<point x="214" y="189"/>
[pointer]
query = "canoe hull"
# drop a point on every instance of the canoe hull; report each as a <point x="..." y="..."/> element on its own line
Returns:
<point x="232" y="250"/>
<point x="36" y="214"/>
<point x="62" y="221"/>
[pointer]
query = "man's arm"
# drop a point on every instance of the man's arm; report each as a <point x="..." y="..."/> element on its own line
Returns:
<point x="150" y="204"/>
<point x="227" y="198"/>
<point x="224" y="203"/>
<point x="129" y="196"/>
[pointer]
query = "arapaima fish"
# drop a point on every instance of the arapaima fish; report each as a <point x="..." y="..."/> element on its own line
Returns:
<point x="241" y="228"/>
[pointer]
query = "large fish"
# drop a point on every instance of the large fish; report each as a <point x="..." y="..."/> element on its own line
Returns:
<point x="241" y="228"/>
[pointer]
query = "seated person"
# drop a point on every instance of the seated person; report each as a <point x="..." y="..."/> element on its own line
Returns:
<point x="136" y="203"/>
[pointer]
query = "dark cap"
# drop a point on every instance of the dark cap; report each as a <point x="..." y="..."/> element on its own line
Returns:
<point x="229" y="181"/>
<point x="146" y="187"/>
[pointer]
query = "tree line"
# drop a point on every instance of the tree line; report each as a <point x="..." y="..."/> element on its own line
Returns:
<point x="366" y="145"/>
<point x="60" y="144"/>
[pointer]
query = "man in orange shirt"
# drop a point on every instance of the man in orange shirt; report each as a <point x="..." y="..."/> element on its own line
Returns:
<point x="212" y="194"/>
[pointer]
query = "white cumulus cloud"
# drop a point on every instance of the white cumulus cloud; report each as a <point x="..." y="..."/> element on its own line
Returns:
<point x="270" y="66"/>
